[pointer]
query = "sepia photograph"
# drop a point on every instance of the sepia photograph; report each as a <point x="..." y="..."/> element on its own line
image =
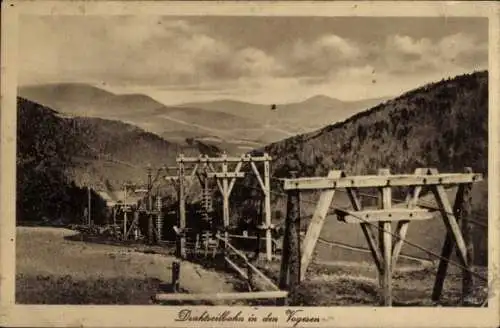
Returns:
<point x="256" y="160"/>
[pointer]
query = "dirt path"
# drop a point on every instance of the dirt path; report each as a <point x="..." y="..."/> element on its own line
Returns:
<point x="46" y="252"/>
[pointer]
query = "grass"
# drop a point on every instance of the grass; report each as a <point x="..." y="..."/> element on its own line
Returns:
<point x="52" y="289"/>
<point x="55" y="266"/>
<point x="356" y="284"/>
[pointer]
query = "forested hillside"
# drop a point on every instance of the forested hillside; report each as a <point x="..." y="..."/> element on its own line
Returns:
<point x="443" y="125"/>
<point x="57" y="156"/>
<point x="46" y="148"/>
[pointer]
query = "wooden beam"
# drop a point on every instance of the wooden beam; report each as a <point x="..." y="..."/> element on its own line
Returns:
<point x="316" y="224"/>
<point x="257" y="175"/>
<point x="236" y="268"/>
<point x="396" y="214"/>
<point x="193" y="172"/>
<point x="226" y="174"/>
<point x="176" y="178"/>
<point x="240" y="254"/>
<point x="450" y="220"/>
<point x="222" y="159"/>
<point x="380" y="181"/>
<point x="221" y="296"/>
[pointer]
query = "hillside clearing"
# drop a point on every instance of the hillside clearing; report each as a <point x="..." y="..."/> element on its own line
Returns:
<point x="51" y="269"/>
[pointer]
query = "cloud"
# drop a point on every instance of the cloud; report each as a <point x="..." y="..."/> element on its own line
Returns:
<point x="254" y="63"/>
<point x="169" y="54"/>
<point x="134" y="50"/>
<point x="456" y="52"/>
<point x="321" y="55"/>
<point x="407" y="45"/>
<point x="326" y="45"/>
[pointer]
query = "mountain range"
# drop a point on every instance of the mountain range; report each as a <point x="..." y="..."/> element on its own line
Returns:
<point x="234" y="126"/>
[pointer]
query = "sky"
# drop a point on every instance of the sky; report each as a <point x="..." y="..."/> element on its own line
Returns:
<point x="255" y="59"/>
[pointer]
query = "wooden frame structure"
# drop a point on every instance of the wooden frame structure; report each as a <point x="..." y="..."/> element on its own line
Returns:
<point x="260" y="286"/>
<point x="385" y="254"/>
<point x="225" y="170"/>
<point x="149" y="207"/>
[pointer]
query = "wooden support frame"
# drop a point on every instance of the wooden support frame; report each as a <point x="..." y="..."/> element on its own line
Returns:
<point x="248" y="264"/>
<point x="221" y="296"/>
<point x="385" y="254"/>
<point x="226" y="179"/>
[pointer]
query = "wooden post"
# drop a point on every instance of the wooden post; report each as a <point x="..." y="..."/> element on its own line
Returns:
<point x="176" y="269"/>
<point x="124" y="223"/>
<point x="385" y="242"/>
<point x="250" y="276"/>
<point x="125" y="190"/>
<point x="290" y="263"/>
<point x="285" y="249"/>
<point x="150" y="207"/>
<point x="443" y="264"/>
<point x="181" y="251"/>
<point x="267" y="210"/>
<point x="89" y="218"/>
<point x="159" y="218"/>
<point x="136" y="224"/>
<point x="467" y="233"/>
<point x="225" y="200"/>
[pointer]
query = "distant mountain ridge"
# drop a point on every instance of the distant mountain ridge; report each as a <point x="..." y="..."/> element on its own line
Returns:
<point x="233" y="122"/>
<point x="145" y="112"/>
<point x="304" y="116"/>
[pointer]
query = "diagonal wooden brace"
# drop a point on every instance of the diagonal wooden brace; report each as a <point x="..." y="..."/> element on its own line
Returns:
<point x="453" y="237"/>
<point x="450" y="221"/>
<point x="369" y="235"/>
<point x="317" y="221"/>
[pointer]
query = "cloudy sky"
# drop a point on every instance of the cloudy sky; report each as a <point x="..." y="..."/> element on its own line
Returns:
<point x="258" y="59"/>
